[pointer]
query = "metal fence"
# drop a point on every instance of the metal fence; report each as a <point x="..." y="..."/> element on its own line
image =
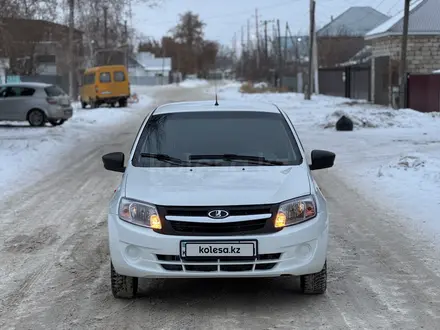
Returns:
<point x="61" y="81"/>
<point x="350" y="82"/>
<point x="423" y="92"/>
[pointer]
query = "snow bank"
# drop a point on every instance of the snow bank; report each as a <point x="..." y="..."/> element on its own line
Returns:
<point x="393" y="156"/>
<point x="370" y="116"/>
<point x="192" y="83"/>
<point x="27" y="154"/>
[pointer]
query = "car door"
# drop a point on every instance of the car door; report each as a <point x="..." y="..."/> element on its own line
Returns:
<point x="20" y="101"/>
<point x="11" y="103"/>
<point x="3" y="103"/>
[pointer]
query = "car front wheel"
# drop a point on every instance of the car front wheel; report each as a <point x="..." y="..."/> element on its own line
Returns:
<point x="315" y="283"/>
<point x="123" y="286"/>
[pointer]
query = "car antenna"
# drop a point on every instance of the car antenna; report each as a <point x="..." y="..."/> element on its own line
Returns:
<point x="215" y="82"/>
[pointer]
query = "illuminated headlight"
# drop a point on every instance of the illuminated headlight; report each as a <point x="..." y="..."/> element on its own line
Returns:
<point x="296" y="211"/>
<point x="138" y="213"/>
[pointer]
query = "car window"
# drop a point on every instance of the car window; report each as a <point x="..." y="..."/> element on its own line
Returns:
<point x="105" y="77"/>
<point x="89" y="79"/>
<point x="247" y="133"/>
<point x="2" y="91"/>
<point x="13" y="91"/>
<point x="25" y="91"/>
<point x="118" y="76"/>
<point x="53" y="91"/>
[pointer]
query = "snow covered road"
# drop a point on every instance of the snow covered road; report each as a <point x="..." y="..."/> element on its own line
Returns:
<point x="55" y="269"/>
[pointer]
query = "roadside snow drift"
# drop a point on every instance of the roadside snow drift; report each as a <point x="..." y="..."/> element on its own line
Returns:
<point x="392" y="155"/>
<point x="27" y="154"/>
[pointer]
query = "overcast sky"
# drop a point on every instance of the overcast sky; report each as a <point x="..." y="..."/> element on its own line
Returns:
<point x="223" y="18"/>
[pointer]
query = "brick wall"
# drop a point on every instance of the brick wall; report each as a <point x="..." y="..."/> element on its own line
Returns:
<point x="423" y="51"/>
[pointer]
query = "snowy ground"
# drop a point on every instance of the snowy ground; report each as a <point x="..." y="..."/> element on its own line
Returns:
<point x="54" y="240"/>
<point x="27" y="154"/>
<point x="391" y="156"/>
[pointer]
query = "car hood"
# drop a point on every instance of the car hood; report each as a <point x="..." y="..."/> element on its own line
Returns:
<point x="216" y="186"/>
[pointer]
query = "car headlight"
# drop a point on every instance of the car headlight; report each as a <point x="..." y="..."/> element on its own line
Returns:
<point x="139" y="213"/>
<point x="295" y="211"/>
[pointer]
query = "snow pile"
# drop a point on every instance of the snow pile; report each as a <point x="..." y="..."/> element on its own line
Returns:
<point x="27" y="154"/>
<point x="193" y="83"/>
<point x="371" y="116"/>
<point x="261" y="85"/>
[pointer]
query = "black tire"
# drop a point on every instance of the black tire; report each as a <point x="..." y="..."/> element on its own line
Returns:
<point x="58" y="122"/>
<point x="123" y="287"/>
<point x="315" y="283"/>
<point x="93" y="104"/>
<point x="83" y="104"/>
<point x="36" y="118"/>
<point x="123" y="103"/>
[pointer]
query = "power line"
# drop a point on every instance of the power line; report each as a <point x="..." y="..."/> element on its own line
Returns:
<point x="239" y="13"/>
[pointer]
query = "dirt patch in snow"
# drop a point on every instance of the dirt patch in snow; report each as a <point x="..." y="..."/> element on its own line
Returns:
<point x="21" y="243"/>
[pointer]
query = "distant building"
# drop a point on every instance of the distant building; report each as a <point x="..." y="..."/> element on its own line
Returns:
<point x="423" y="54"/>
<point x="37" y="50"/>
<point x="146" y="69"/>
<point x="343" y="37"/>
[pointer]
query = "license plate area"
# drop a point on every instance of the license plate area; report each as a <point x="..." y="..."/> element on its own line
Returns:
<point x="239" y="249"/>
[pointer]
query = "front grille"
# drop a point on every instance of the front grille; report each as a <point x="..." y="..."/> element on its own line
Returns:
<point x="202" y="211"/>
<point x="217" y="228"/>
<point x="213" y="228"/>
<point x="229" y="264"/>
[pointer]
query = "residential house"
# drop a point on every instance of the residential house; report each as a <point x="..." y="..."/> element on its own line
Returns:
<point x="343" y="37"/>
<point x="37" y="50"/>
<point x="423" y="53"/>
<point x="146" y="69"/>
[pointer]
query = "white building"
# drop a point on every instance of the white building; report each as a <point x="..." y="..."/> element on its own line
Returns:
<point x="150" y="66"/>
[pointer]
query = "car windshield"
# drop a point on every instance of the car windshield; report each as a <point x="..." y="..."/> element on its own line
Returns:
<point x="216" y="139"/>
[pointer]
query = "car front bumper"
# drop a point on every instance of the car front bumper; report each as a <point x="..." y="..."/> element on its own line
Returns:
<point x="140" y="252"/>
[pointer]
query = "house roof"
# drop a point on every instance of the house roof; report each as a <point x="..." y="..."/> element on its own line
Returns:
<point x="423" y="20"/>
<point x="355" y="21"/>
<point x="361" y="57"/>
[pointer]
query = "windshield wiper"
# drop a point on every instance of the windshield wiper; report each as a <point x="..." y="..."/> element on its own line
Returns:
<point x="232" y="157"/>
<point x="172" y="160"/>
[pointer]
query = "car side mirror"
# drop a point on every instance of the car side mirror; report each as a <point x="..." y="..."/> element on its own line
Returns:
<point x="322" y="159"/>
<point x="114" y="162"/>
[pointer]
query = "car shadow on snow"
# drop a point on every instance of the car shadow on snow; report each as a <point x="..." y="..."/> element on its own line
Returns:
<point x="229" y="293"/>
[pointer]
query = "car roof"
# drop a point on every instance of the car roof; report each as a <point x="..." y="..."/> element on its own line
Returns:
<point x="194" y="106"/>
<point x="26" y="84"/>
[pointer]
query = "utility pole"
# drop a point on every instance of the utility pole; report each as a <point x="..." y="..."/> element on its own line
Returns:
<point x="126" y="43"/>
<point x="248" y="51"/>
<point x="315" y="58"/>
<point x="242" y="52"/>
<point x="249" y="35"/>
<point x="71" y="48"/>
<point x="285" y="45"/>
<point x="257" y="34"/>
<point x="163" y="62"/>
<point x="266" y="51"/>
<point x="403" y="51"/>
<point x="280" y="74"/>
<point x="105" y="28"/>
<point x="308" y="95"/>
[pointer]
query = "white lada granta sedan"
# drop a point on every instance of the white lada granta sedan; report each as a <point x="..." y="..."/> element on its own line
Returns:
<point x="217" y="191"/>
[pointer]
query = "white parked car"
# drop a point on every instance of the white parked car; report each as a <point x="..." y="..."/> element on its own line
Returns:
<point x="217" y="191"/>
